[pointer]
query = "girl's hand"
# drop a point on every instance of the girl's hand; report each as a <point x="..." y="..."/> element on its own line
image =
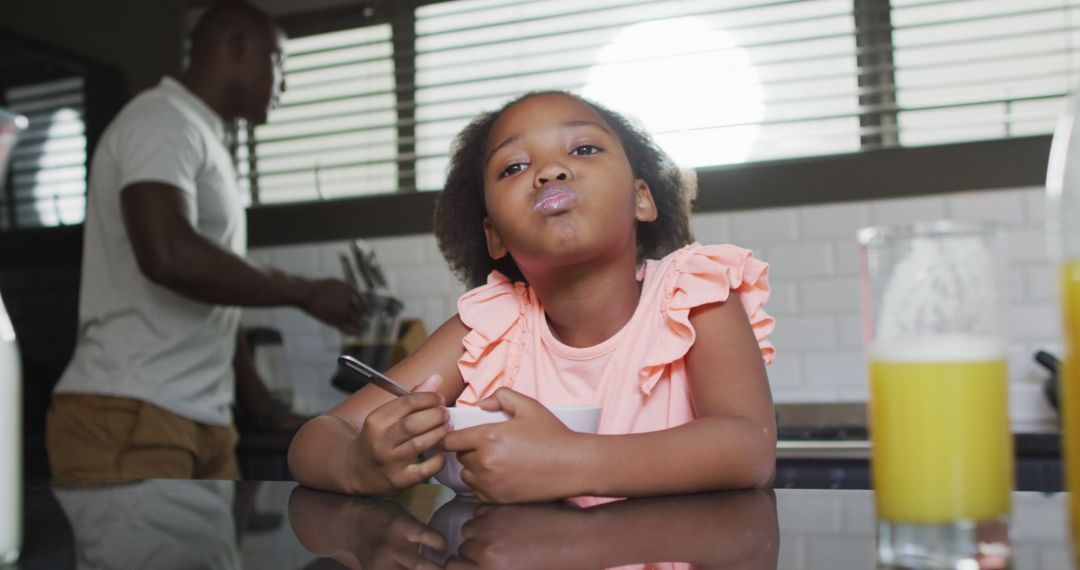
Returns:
<point x="395" y="434"/>
<point x="524" y="459"/>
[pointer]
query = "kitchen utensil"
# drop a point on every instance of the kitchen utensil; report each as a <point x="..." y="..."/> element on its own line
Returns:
<point x="371" y="275"/>
<point x="378" y="378"/>
<point x="352" y="274"/>
<point x="1050" y="388"/>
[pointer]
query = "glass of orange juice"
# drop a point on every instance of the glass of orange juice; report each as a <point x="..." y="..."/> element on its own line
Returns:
<point x="1069" y="394"/>
<point x="1063" y="229"/>
<point x="942" y="459"/>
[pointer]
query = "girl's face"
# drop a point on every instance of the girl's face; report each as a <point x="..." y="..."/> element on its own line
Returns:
<point x="558" y="186"/>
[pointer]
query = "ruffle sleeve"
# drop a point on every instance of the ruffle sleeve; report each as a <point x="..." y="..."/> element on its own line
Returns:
<point x="698" y="275"/>
<point x="493" y="313"/>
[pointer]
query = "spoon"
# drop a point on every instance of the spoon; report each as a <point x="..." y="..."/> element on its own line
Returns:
<point x="378" y="378"/>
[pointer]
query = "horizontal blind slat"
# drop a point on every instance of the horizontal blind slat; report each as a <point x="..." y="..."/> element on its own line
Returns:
<point x="48" y="164"/>
<point x="337" y="123"/>
<point x="974" y="70"/>
<point x="782" y="79"/>
<point x="745" y="58"/>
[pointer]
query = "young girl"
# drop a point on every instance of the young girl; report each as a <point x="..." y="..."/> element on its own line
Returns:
<point x="572" y="227"/>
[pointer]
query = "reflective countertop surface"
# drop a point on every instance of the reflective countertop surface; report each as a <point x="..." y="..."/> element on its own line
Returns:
<point x="225" y="524"/>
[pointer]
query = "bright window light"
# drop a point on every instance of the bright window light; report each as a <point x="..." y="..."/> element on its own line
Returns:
<point x="688" y="83"/>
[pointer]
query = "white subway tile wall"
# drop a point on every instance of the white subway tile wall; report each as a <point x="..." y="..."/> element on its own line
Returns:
<point x="833" y="220"/>
<point x="907" y="210"/>
<point x="786" y="372"/>
<point x="771" y="226"/>
<point x="711" y="227"/>
<point x="1045" y="545"/>
<point x="813" y="271"/>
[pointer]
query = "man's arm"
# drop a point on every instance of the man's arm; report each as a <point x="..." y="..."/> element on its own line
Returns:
<point x="171" y="253"/>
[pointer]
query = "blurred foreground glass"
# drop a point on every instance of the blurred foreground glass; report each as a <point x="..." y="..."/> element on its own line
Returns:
<point x="10" y="392"/>
<point x="1063" y="227"/>
<point x="942" y="459"/>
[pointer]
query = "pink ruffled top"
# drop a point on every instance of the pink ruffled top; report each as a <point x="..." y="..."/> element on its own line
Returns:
<point x="639" y="374"/>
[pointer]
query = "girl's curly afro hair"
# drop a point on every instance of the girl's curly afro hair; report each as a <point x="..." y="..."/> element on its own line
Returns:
<point x="460" y="209"/>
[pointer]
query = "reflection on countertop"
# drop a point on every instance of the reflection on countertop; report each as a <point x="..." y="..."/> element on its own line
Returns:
<point x="722" y="530"/>
<point x="206" y="524"/>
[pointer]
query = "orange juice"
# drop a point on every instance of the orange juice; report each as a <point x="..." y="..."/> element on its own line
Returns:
<point x="1069" y="391"/>
<point x="942" y="447"/>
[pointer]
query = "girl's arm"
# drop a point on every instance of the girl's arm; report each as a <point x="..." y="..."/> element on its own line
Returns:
<point x="730" y="445"/>
<point x="369" y="443"/>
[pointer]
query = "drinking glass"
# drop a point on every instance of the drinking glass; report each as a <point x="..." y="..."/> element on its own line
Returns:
<point x="11" y="515"/>
<point x="942" y="460"/>
<point x="1063" y="227"/>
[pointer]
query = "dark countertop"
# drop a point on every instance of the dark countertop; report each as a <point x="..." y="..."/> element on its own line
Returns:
<point x="835" y="457"/>
<point x="166" y="524"/>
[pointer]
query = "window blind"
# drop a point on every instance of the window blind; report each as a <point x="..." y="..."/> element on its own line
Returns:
<point x="716" y="82"/>
<point x="335" y="132"/>
<point x="48" y="164"/>
<point x="987" y="69"/>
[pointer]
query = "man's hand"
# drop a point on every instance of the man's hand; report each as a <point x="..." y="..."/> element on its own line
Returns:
<point x="335" y="303"/>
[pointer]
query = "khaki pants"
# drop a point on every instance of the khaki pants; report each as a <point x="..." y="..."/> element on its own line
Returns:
<point x="106" y="437"/>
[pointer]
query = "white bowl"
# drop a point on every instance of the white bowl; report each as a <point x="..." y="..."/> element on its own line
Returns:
<point x="583" y="419"/>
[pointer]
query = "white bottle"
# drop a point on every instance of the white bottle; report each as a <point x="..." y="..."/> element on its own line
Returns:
<point x="10" y="443"/>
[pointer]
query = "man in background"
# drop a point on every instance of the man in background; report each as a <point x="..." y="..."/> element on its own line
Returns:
<point x="149" y="389"/>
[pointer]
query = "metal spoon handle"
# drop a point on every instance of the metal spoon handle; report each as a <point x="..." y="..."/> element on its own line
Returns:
<point x="378" y="378"/>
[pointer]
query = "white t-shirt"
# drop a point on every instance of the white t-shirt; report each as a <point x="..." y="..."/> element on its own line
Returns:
<point x="138" y="339"/>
